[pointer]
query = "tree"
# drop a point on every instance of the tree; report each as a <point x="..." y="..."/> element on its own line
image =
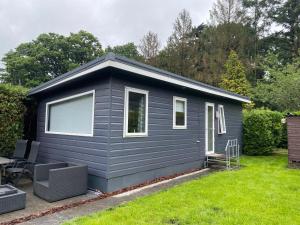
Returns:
<point x="128" y="50"/>
<point x="280" y="87"/>
<point x="213" y="45"/>
<point x="257" y="14"/>
<point x="49" y="56"/>
<point x="149" y="47"/>
<point x="179" y="50"/>
<point x="287" y="15"/>
<point x="234" y="78"/>
<point x="257" y="17"/>
<point x="227" y="11"/>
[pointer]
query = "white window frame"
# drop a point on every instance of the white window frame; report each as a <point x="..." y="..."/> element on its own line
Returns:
<point x="207" y="104"/>
<point x="66" y="99"/>
<point x="126" y="102"/>
<point x="176" y="98"/>
<point x="221" y="116"/>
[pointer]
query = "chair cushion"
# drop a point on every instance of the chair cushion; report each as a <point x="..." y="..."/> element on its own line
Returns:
<point x="14" y="170"/>
<point x="44" y="183"/>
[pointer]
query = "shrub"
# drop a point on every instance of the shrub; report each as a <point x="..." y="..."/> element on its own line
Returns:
<point x="12" y="110"/>
<point x="262" y="131"/>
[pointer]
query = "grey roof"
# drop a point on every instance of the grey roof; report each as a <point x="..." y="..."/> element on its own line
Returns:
<point x="123" y="60"/>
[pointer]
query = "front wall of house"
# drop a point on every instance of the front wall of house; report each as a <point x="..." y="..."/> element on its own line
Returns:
<point x="116" y="162"/>
<point x="91" y="151"/>
<point x="165" y="150"/>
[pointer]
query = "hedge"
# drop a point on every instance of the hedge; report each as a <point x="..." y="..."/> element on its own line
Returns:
<point x="262" y="131"/>
<point x="12" y="111"/>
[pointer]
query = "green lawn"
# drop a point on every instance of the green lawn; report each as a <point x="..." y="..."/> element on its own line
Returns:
<point x="264" y="191"/>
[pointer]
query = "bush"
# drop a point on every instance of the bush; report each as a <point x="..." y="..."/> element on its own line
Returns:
<point x="262" y="131"/>
<point x="12" y="111"/>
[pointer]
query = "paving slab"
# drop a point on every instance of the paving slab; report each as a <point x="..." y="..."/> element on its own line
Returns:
<point x="35" y="204"/>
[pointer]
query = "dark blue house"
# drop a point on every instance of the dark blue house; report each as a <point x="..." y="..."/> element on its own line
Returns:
<point x="130" y="122"/>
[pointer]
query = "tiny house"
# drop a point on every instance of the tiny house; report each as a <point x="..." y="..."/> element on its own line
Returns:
<point x="130" y="122"/>
<point x="293" y="130"/>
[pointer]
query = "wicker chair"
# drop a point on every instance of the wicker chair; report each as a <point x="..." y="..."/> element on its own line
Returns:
<point x="57" y="181"/>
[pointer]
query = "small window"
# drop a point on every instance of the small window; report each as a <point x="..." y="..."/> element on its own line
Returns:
<point x="179" y="113"/>
<point x="136" y="112"/>
<point x="73" y="115"/>
<point x="221" y="120"/>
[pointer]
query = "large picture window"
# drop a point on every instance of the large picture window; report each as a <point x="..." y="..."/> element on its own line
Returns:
<point x="73" y="115"/>
<point x="136" y="112"/>
<point x="179" y="113"/>
<point x="221" y="120"/>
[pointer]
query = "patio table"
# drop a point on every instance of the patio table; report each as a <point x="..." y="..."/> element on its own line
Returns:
<point x="4" y="161"/>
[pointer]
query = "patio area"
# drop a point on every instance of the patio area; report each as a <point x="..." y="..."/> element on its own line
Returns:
<point x="36" y="205"/>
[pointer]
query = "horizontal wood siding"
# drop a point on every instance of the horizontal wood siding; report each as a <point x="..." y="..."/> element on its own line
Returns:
<point x="293" y="128"/>
<point x="91" y="151"/>
<point x="164" y="146"/>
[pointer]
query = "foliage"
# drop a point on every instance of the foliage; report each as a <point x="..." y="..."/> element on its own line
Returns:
<point x="214" y="43"/>
<point x="234" y="78"/>
<point x="49" y="56"/>
<point x="149" y="47"/>
<point x="128" y="50"/>
<point x="286" y="14"/>
<point x="264" y="191"/>
<point x="12" y="110"/>
<point x="284" y="139"/>
<point x="177" y="55"/>
<point x="227" y="11"/>
<point x="280" y="87"/>
<point x="257" y="15"/>
<point x="262" y="131"/>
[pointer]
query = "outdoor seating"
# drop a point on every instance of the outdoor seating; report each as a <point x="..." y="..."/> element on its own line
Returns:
<point x="20" y="149"/>
<point x="19" y="153"/>
<point x="57" y="181"/>
<point x="21" y="168"/>
<point x="11" y="199"/>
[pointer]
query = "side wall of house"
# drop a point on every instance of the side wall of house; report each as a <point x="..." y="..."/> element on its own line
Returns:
<point x="165" y="150"/>
<point x="91" y="151"/>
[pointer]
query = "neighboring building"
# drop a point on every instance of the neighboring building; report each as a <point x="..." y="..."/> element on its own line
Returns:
<point x="130" y="122"/>
<point x="293" y="136"/>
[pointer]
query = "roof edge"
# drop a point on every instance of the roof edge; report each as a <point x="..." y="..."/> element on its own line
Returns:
<point x="123" y="63"/>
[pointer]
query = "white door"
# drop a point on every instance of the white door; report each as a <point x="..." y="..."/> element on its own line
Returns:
<point x="209" y="128"/>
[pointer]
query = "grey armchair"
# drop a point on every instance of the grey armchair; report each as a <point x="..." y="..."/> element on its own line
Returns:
<point x="57" y="181"/>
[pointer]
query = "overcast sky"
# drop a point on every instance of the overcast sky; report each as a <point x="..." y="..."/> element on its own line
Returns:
<point x="112" y="21"/>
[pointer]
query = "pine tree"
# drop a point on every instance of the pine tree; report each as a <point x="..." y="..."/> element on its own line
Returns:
<point x="234" y="79"/>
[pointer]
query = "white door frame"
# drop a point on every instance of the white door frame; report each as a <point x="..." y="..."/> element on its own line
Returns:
<point x="207" y="104"/>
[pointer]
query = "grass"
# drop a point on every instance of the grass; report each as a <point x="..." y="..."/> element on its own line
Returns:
<point x="264" y="191"/>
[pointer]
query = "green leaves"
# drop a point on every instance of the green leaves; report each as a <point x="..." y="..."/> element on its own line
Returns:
<point x="262" y="131"/>
<point x="280" y="87"/>
<point x="234" y="78"/>
<point x="49" y="56"/>
<point x="128" y="50"/>
<point x="12" y="111"/>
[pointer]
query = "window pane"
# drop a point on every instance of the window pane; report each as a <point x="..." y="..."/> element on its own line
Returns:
<point x="180" y="110"/>
<point x="221" y="120"/>
<point x="210" y="128"/>
<point x="210" y="134"/>
<point x="136" y="112"/>
<point x="71" y="116"/>
<point x="210" y="117"/>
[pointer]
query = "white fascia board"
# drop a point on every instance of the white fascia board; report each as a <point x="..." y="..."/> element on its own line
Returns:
<point x="175" y="81"/>
<point x="146" y="73"/>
